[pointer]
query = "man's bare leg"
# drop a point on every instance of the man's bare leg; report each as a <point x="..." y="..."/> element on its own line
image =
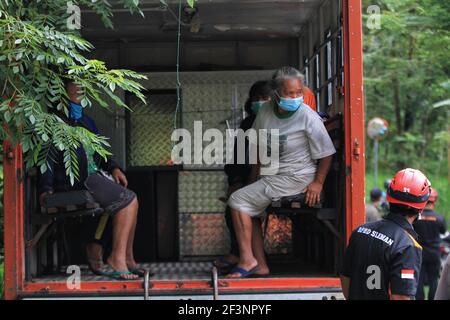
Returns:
<point x="258" y="247"/>
<point x="122" y="226"/>
<point x="131" y="263"/>
<point x="243" y="225"/>
<point x="94" y="252"/>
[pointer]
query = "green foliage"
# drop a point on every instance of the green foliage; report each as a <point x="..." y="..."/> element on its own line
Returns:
<point x="406" y="73"/>
<point x="1" y="207"/>
<point x="37" y="52"/>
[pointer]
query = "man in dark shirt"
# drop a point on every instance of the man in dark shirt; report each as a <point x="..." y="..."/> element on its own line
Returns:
<point x="429" y="227"/>
<point x="383" y="258"/>
<point x="118" y="201"/>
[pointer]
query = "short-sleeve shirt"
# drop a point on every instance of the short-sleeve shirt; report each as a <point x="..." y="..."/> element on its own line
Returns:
<point x="302" y="136"/>
<point x="383" y="258"/>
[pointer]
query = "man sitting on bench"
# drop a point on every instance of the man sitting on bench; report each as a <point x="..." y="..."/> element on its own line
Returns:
<point x="113" y="196"/>
<point x="303" y="141"/>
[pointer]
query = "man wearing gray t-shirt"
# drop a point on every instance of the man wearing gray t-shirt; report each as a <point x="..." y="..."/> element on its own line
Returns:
<point x="305" y="153"/>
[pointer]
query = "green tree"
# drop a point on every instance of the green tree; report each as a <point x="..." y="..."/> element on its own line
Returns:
<point x="406" y="72"/>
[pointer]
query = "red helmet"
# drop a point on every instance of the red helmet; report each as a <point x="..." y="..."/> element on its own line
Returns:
<point x="409" y="187"/>
<point x="433" y="196"/>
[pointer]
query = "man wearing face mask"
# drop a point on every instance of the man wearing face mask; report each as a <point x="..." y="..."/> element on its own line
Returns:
<point x="305" y="155"/>
<point x="118" y="201"/>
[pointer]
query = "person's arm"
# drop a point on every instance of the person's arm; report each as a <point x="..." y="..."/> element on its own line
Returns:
<point x="404" y="272"/>
<point x="108" y="164"/>
<point x="322" y="149"/>
<point x="315" y="188"/>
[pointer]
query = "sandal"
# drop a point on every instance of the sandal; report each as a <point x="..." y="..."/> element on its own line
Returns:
<point x="243" y="272"/>
<point x="108" y="271"/>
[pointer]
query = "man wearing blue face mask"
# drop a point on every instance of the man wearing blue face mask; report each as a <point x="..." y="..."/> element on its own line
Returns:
<point x="119" y="202"/>
<point x="305" y="155"/>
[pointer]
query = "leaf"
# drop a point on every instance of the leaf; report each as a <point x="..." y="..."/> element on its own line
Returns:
<point x="7" y="116"/>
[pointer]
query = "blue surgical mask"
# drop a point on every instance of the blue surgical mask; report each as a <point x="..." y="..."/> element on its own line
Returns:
<point x="289" y="104"/>
<point x="256" y="105"/>
<point x="76" y="111"/>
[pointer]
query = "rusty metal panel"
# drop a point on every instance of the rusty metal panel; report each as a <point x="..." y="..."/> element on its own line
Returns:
<point x="279" y="235"/>
<point x="203" y="235"/>
<point x="199" y="191"/>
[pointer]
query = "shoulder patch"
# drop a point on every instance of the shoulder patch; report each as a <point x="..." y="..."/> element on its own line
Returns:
<point x="416" y="244"/>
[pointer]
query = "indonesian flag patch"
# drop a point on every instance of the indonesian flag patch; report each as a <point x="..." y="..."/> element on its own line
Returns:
<point x="407" y="274"/>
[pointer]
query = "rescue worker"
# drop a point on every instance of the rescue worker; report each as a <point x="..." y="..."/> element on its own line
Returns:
<point x="383" y="258"/>
<point x="429" y="227"/>
<point x="373" y="208"/>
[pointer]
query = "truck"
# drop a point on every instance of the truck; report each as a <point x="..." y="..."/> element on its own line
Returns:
<point x="200" y="63"/>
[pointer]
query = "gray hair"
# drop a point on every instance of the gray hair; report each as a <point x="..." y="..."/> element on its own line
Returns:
<point x="283" y="74"/>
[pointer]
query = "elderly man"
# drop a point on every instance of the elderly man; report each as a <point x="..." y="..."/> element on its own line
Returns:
<point x="118" y="201"/>
<point x="305" y="155"/>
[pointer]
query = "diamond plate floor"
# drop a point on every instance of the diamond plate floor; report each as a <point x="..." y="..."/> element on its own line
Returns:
<point x="178" y="271"/>
<point x="162" y="271"/>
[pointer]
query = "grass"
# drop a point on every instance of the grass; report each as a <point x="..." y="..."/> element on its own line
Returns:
<point x="441" y="184"/>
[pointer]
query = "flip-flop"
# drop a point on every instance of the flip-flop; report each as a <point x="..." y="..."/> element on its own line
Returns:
<point x="108" y="271"/>
<point x="243" y="272"/>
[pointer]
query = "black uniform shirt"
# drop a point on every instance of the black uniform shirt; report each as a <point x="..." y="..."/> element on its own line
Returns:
<point x="383" y="258"/>
<point x="429" y="228"/>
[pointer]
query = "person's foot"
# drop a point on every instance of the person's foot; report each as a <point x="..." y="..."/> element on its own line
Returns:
<point x="262" y="271"/>
<point x="94" y="255"/>
<point x="135" y="268"/>
<point x="248" y="265"/>
<point x="226" y="261"/>
<point x="120" y="267"/>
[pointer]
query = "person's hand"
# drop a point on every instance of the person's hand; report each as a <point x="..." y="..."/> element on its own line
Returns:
<point x="119" y="177"/>
<point x="313" y="193"/>
<point x="43" y="196"/>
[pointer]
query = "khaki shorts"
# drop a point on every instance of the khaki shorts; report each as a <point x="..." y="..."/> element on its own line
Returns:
<point x="256" y="197"/>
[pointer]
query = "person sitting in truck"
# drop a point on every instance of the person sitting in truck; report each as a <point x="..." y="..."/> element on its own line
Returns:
<point x="305" y="156"/>
<point x="238" y="174"/>
<point x="118" y="201"/>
